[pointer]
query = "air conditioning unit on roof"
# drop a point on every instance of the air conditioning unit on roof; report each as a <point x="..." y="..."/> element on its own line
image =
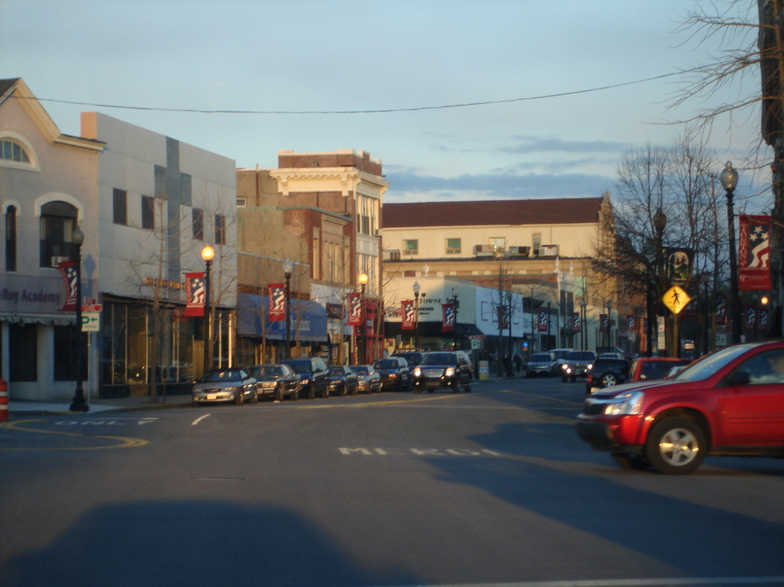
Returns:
<point x="484" y="250"/>
<point x="520" y="251"/>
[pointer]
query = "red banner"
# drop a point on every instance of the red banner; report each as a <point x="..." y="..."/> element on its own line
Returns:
<point x="354" y="302"/>
<point x="194" y="294"/>
<point x="409" y="317"/>
<point x="277" y="302"/>
<point x="750" y="318"/>
<point x="754" y="253"/>
<point x="544" y="321"/>
<point x="447" y="317"/>
<point x="604" y="322"/>
<point x="576" y="322"/>
<point x="68" y="271"/>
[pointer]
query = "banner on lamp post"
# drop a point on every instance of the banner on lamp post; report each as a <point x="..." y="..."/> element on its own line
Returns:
<point x="70" y="278"/>
<point x="277" y="302"/>
<point x="448" y="318"/>
<point x="354" y="302"/>
<point x="194" y="294"/>
<point x="576" y="322"/>
<point x="409" y="317"/>
<point x="754" y="253"/>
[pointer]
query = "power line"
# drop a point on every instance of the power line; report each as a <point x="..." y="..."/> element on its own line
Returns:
<point x="378" y="111"/>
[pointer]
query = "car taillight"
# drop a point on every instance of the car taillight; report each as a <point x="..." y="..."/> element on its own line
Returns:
<point x="589" y="379"/>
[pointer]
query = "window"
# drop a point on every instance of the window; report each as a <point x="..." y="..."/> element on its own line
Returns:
<point x="120" y="202"/>
<point x="10" y="239"/>
<point x="537" y="243"/>
<point x="198" y="224"/>
<point x="220" y="229"/>
<point x="58" y="220"/>
<point x="148" y="212"/>
<point x="12" y="151"/>
<point x="23" y="352"/>
<point x="65" y="349"/>
<point x="453" y="246"/>
<point x="411" y="247"/>
<point x="498" y="243"/>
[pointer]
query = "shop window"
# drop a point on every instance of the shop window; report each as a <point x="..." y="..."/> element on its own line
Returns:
<point x="23" y="352"/>
<point x="65" y="349"/>
<point x="58" y="220"/>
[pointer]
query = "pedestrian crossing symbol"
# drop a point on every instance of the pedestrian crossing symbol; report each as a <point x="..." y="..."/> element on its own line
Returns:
<point x="676" y="299"/>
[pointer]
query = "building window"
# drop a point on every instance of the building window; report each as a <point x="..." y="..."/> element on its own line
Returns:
<point x="537" y="243"/>
<point x="13" y="151"/>
<point x="198" y="224"/>
<point x="10" y="238"/>
<point x="58" y="220"/>
<point x="411" y="247"/>
<point x="498" y="243"/>
<point x="65" y="349"/>
<point x="23" y="352"/>
<point x="120" y="202"/>
<point x="453" y="246"/>
<point x="148" y="212"/>
<point x="220" y="229"/>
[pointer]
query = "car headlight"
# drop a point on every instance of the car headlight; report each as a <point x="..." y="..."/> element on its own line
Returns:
<point x="627" y="404"/>
<point x="417" y="372"/>
<point x="564" y="367"/>
<point x="234" y="388"/>
<point x="589" y="366"/>
<point x="450" y="372"/>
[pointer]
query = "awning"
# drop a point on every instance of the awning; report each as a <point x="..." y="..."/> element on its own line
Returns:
<point x="432" y="329"/>
<point x="308" y="319"/>
<point x="64" y="319"/>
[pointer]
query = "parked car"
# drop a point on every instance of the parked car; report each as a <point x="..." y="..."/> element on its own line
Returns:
<point x="576" y="365"/>
<point x="605" y="373"/>
<point x="730" y="402"/>
<point x="313" y="375"/>
<point x="648" y="368"/>
<point x="413" y="358"/>
<point x="443" y="369"/>
<point x="342" y="380"/>
<point x="276" y="380"/>
<point x="614" y="349"/>
<point x="542" y="364"/>
<point x="560" y="357"/>
<point x="368" y="379"/>
<point x="394" y="372"/>
<point x="224" y="385"/>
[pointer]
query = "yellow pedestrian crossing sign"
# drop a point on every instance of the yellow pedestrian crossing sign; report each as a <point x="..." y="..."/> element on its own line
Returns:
<point x="676" y="299"/>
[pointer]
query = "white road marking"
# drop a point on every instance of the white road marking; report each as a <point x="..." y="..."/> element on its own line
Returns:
<point x="199" y="419"/>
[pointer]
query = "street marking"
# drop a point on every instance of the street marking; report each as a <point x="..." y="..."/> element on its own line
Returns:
<point x="422" y="452"/>
<point x="123" y="442"/>
<point x="645" y="582"/>
<point x="106" y="422"/>
<point x="199" y="419"/>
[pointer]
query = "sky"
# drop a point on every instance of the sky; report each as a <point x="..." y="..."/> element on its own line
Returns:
<point x="390" y="78"/>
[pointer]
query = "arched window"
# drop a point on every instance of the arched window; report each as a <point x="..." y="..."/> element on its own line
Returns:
<point x="10" y="238"/>
<point x="11" y="150"/>
<point x="58" y="220"/>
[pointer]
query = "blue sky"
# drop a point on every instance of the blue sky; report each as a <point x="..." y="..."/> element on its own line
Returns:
<point x="321" y="56"/>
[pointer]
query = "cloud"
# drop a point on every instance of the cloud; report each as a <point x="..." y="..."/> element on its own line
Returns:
<point x="537" y="145"/>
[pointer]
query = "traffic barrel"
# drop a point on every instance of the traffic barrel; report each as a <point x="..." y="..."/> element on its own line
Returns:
<point x="3" y="400"/>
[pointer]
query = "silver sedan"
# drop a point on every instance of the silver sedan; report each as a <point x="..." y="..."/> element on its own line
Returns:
<point x="225" y="385"/>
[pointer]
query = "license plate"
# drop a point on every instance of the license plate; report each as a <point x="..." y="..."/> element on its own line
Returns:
<point x="212" y="396"/>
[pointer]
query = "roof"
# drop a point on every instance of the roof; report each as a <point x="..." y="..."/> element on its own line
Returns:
<point x="493" y="212"/>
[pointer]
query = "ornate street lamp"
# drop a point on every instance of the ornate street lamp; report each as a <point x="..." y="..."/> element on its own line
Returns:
<point x="729" y="181"/>
<point x="417" y="288"/>
<point x="78" y="404"/>
<point x="207" y="253"/>
<point x="288" y="269"/>
<point x="583" y="334"/>
<point x="454" y="308"/>
<point x="362" y="279"/>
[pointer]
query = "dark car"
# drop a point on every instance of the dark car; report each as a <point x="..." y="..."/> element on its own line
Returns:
<point x="443" y="369"/>
<point x="605" y="373"/>
<point x="394" y="373"/>
<point x="730" y="402"/>
<point x="576" y="365"/>
<point x="224" y="385"/>
<point x="342" y="380"/>
<point x="276" y="380"/>
<point x="413" y="358"/>
<point x="313" y="375"/>
<point x="368" y="379"/>
<point x="648" y="368"/>
<point x="541" y="364"/>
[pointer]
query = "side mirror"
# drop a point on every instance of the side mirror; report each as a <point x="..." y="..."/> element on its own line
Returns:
<point x="740" y="378"/>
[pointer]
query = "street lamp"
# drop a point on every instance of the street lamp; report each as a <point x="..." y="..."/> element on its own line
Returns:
<point x="583" y="334"/>
<point x="417" y="288"/>
<point x="729" y="180"/>
<point x="288" y="268"/>
<point x="79" y="404"/>
<point x="207" y="253"/>
<point x="454" y="309"/>
<point x="654" y="299"/>
<point x="362" y="279"/>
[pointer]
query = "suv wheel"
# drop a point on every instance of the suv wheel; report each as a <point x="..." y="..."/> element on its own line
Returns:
<point x="609" y="379"/>
<point x="676" y="446"/>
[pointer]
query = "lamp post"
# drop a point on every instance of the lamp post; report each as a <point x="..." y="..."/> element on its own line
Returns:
<point x="207" y="253"/>
<point x="729" y="180"/>
<point x="417" y="288"/>
<point x="582" y="324"/>
<point x="454" y="309"/>
<point x="654" y="300"/>
<point x="362" y="279"/>
<point x="288" y="269"/>
<point x="78" y="404"/>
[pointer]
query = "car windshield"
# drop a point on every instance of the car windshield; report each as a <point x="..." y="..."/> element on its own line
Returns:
<point x="222" y="375"/>
<point x="336" y="370"/>
<point x="580" y="356"/>
<point x="541" y="358"/>
<point x="439" y="359"/>
<point x="267" y="371"/>
<point x="710" y="364"/>
<point x="300" y="366"/>
<point x="387" y="364"/>
<point x="360" y="370"/>
<point x="561" y="354"/>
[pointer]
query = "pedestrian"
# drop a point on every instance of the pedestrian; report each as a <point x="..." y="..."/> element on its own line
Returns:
<point x="518" y="362"/>
<point x="508" y="365"/>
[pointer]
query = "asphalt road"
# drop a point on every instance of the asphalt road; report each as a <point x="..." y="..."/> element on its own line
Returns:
<point x="491" y="487"/>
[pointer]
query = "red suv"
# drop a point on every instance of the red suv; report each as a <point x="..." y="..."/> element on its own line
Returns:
<point x="730" y="402"/>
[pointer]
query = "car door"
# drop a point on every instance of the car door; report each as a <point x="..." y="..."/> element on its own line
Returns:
<point x="752" y="413"/>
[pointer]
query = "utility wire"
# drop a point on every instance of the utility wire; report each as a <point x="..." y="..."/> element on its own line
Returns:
<point x="379" y="111"/>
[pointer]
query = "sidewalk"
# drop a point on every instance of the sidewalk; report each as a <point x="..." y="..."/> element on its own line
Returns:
<point x="124" y="404"/>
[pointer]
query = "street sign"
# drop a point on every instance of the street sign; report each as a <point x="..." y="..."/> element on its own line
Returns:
<point x="91" y="321"/>
<point x="91" y="308"/>
<point x="676" y="299"/>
